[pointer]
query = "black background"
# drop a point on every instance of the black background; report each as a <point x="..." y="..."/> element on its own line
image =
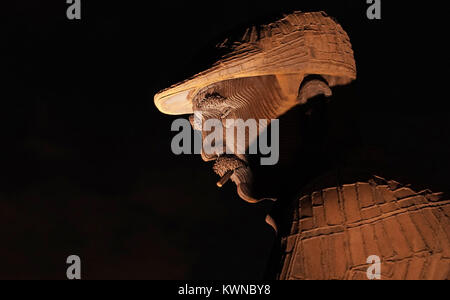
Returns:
<point x="86" y="166"/>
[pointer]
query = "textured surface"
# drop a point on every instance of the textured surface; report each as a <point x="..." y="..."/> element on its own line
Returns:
<point x="335" y="230"/>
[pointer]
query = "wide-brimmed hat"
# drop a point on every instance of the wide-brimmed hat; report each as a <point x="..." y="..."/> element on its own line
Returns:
<point x="300" y="43"/>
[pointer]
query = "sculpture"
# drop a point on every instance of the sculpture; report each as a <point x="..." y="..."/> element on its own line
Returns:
<point x="272" y="69"/>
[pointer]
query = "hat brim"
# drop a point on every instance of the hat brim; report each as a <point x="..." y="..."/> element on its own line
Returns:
<point x="288" y="47"/>
<point x="175" y="104"/>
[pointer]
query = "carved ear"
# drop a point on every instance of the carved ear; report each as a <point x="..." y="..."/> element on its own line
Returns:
<point x="312" y="87"/>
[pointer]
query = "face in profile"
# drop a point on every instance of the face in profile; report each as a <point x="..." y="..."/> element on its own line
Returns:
<point x="266" y="73"/>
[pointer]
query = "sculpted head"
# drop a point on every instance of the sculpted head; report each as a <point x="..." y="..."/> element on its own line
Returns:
<point x="272" y="69"/>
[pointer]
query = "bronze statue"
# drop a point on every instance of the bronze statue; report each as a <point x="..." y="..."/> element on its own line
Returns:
<point x="334" y="230"/>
